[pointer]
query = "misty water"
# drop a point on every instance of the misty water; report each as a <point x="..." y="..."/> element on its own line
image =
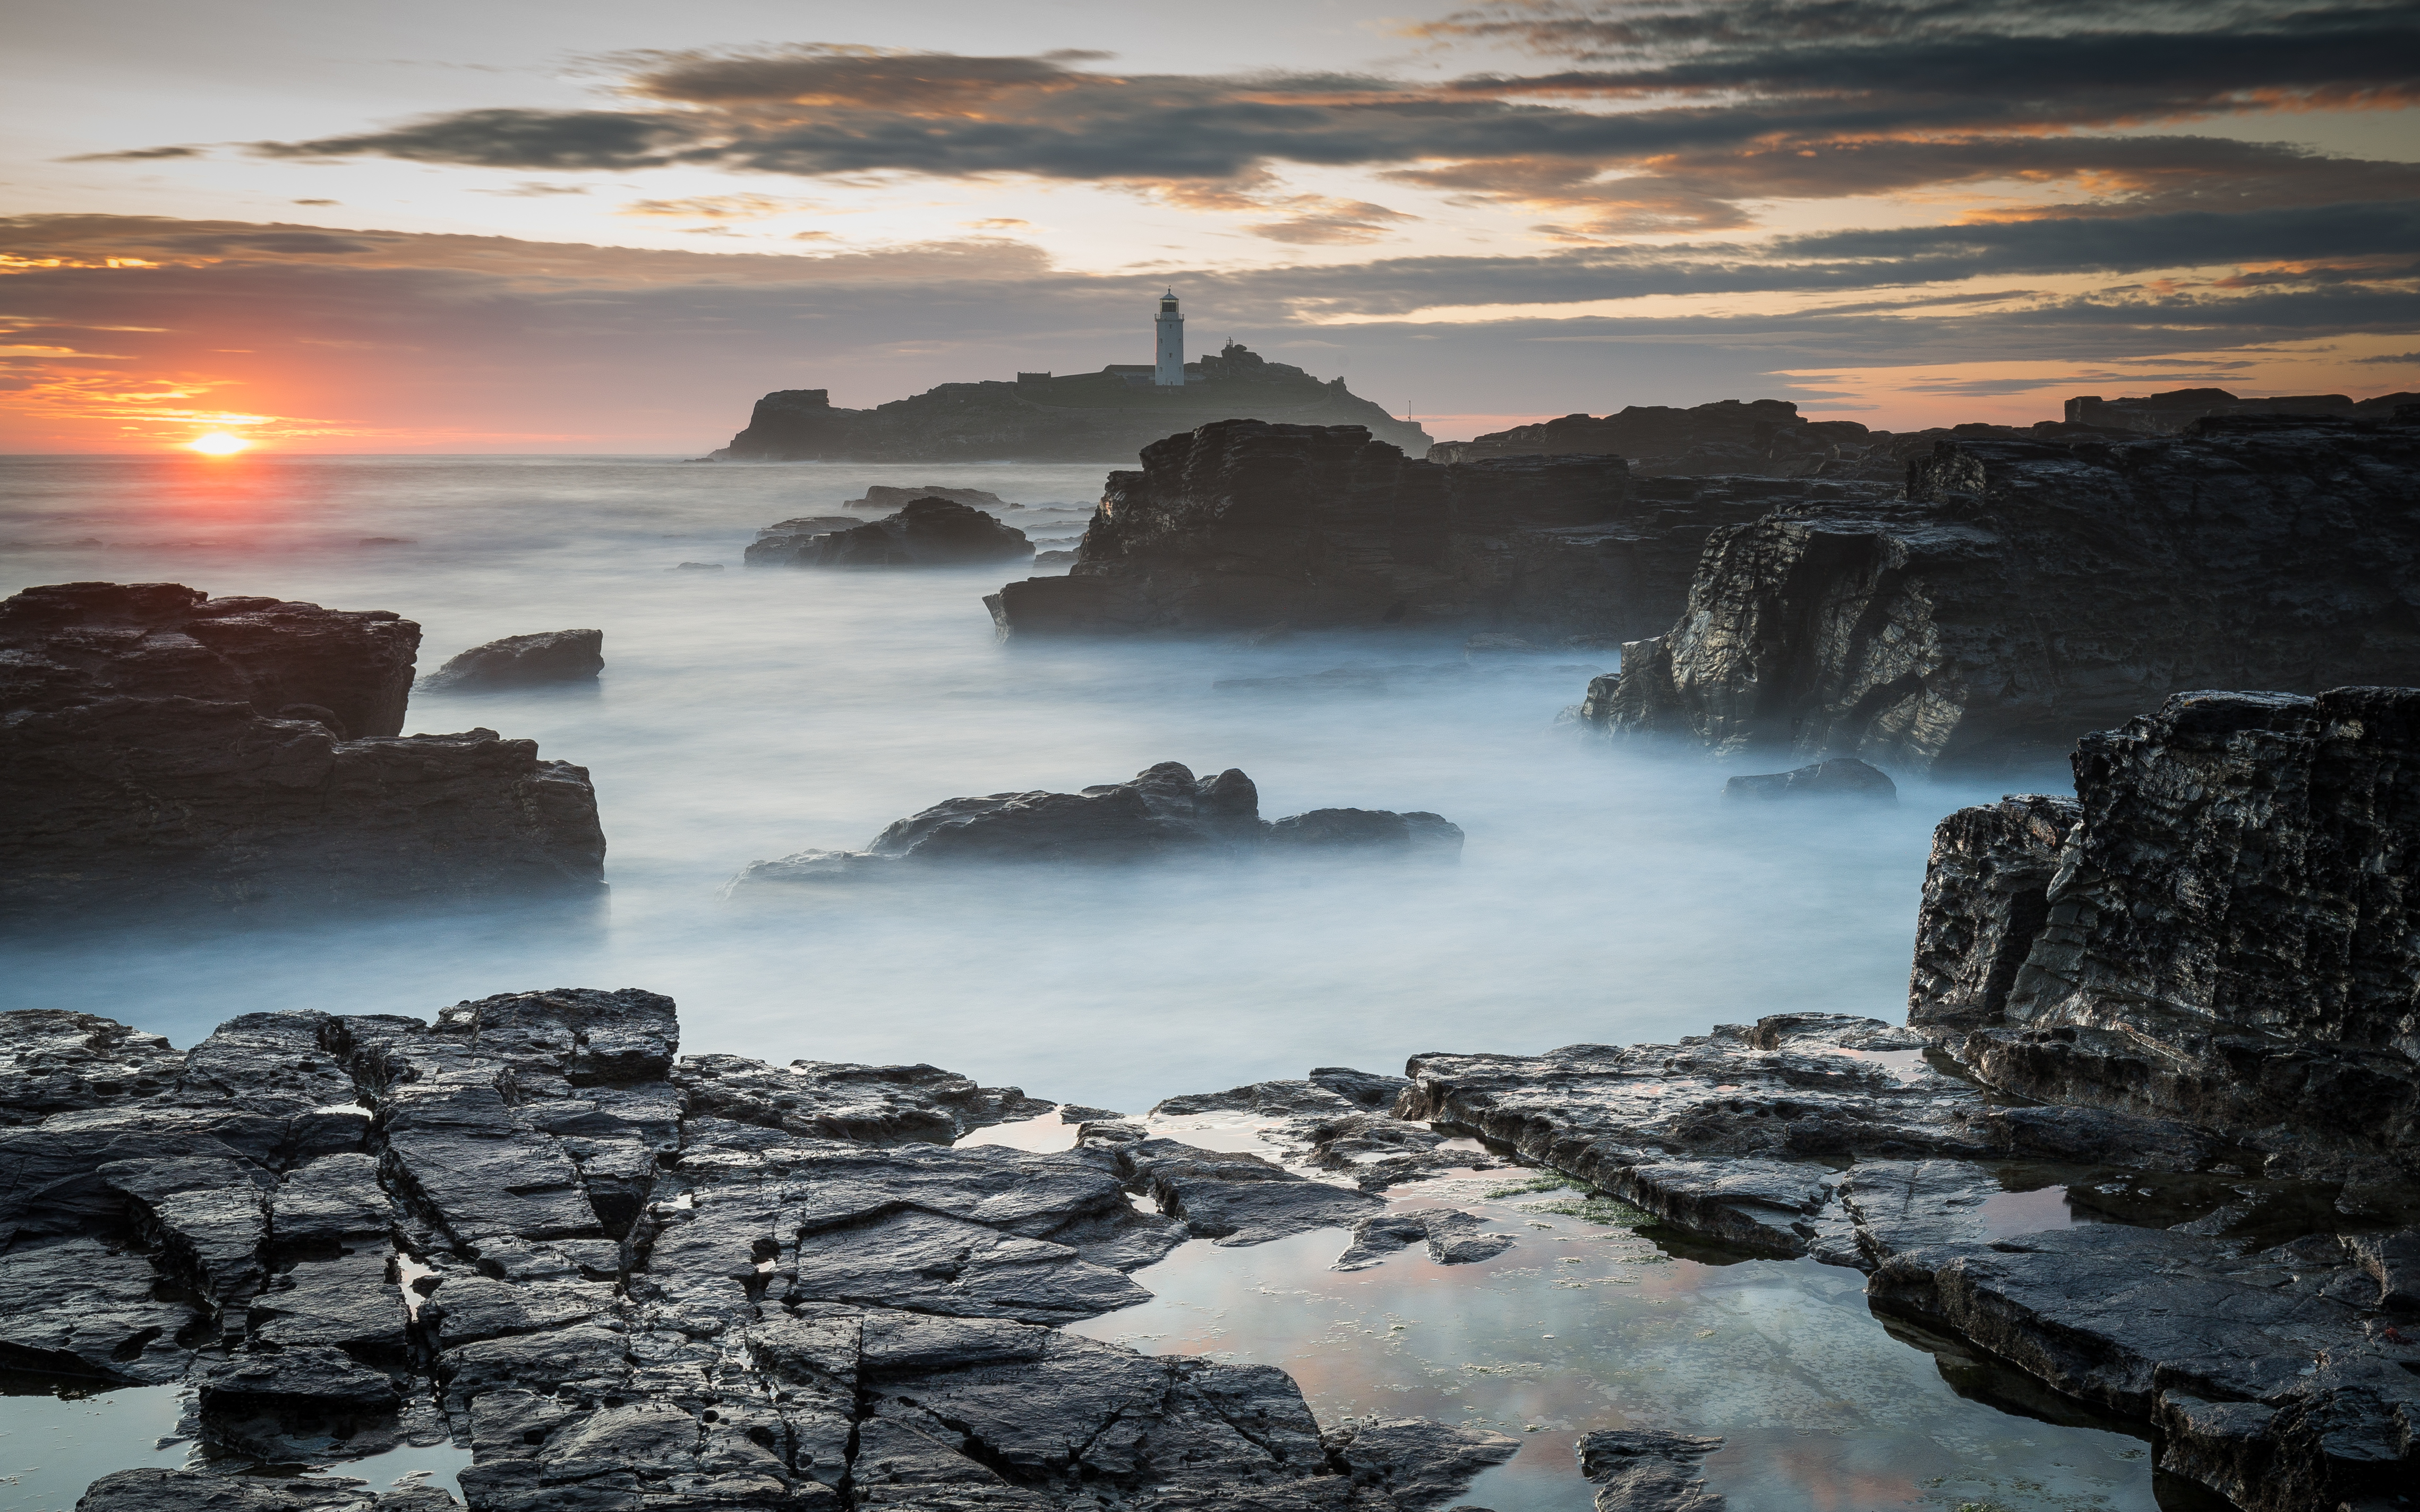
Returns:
<point x="1605" y="893"/>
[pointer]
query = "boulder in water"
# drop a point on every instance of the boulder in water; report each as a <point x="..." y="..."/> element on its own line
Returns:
<point x="1840" y="777"/>
<point x="522" y="661"/>
<point x="928" y="532"/>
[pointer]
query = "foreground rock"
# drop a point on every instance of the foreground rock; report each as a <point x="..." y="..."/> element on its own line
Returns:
<point x="1647" y="1470"/>
<point x="2266" y="1324"/>
<point x="521" y="661"/>
<point x="635" y="1281"/>
<point x="1244" y="525"/>
<point x="1165" y="811"/>
<point x="927" y="532"/>
<point x="2220" y="929"/>
<point x="1067" y="417"/>
<point x="2025" y="593"/>
<point x="165" y="749"/>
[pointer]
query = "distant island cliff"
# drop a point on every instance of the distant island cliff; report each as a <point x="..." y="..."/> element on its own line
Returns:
<point x="1110" y="415"/>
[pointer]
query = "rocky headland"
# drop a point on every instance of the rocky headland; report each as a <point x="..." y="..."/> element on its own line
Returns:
<point x="2023" y="593"/>
<point x="165" y="749"/>
<point x="1075" y="418"/>
<point x="1244" y="524"/>
<point x="925" y="532"/>
<point x="2178" y="408"/>
<point x="1163" y="812"/>
<point x="635" y="1282"/>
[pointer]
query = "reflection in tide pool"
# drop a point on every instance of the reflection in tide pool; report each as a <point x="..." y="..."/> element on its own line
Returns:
<point x="1584" y="1325"/>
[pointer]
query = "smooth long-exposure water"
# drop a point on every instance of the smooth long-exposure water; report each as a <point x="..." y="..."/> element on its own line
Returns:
<point x="1605" y="893"/>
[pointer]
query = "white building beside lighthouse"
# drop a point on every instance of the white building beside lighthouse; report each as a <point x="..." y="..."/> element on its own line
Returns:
<point x="1169" y="360"/>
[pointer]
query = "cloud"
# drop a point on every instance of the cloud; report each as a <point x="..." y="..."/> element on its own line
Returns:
<point x="507" y="138"/>
<point x="2399" y="359"/>
<point x="533" y="189"/>
<point x="718" y="207"/>
<point x="147" y="154"/>
<point x="1315" y="220"/>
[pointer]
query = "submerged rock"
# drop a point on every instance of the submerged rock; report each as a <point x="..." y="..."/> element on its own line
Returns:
<point x="1647" y="1470"/>
<point x="522" y="660"/>
<point x="1165" y="811"/>
<point x="2220" y="929"/>
<point x="639" y="1280"/>
<point x="888" y="497"/>
<point x="165" y="749"/>
<point x="1246" y="524"/>
<point x="2025" y="593"/>
<point x="1840" y="777"/>
<point x="1452" y="1237"/>
<point x="928" y="532"/>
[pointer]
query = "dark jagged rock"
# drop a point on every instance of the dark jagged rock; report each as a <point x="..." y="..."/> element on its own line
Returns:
<point x="2221" y="929"/>
<point x="1164" y="811"/>
<point x="162" y="749"/>
<point x="1338" y="1119"/>
<point x="639" y="1282"/>
<point x="1647" y="1470"/>
<point x="2178" y="408"/>
<point x="55" y="1061"/>
<point x="928" y="532"/>
<point x="2026" y="593"/>
<point x="1232" y="1198"/>
<point x="1244" y="525"/>
<point x="1840" y="777"/>
<point x="521" y="661"/>
<point x="1078" y="417"/>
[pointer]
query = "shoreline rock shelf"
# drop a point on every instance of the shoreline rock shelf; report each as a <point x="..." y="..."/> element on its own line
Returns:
<point x="1163" y="812"/>
<point x="630" y="1280"/>
<point x="2023" y="593"/>
<point x="1244" y="524"/>
<point x="165" y="749"/>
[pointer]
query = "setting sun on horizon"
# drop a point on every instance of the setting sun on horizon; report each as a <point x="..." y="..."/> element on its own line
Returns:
<point x="219" y="444"/>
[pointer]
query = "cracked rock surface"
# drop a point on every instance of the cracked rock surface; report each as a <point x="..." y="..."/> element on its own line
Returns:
<point x="632" y="1283"/>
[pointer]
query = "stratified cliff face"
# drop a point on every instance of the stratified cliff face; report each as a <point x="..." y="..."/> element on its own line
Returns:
<point x="2025" y="593"/>
<point x="1080" y="417"/>
<point x="2227" y="933"/>
<point x="161" y="747"/>
<point x="1244" y="525"/>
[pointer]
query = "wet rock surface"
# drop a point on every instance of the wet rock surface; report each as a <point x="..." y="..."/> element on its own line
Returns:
<point x="166" y="750"/>
<point x="629" y="1281"/>
<point x="2252" y="1319"/>
<point x="2219" y="928"/>
<point x="522" y="661"/>
<point x="925" y="532"/>
<point x="1246" y="524"/>
<point x="1164" y="812"/>
<point x="2025" y="593"/>
<point x="1647" y="1470"/>
<point x="892" y="497"/>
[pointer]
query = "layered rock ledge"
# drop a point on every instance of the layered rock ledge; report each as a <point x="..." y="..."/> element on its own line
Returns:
<point x="2025" y="593"/>
<point x="1163" y="812"/>
<point x="161" y="748"/>
<point x="634" y="1282"/>
<point x="1246" y="524"/>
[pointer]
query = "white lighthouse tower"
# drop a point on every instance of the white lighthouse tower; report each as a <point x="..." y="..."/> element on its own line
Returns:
<point x="1170" y="359"/>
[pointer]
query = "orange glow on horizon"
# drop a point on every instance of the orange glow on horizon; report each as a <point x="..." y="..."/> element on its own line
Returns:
<point x="218" y="443"/>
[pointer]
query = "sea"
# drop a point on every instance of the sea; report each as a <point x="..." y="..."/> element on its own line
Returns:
<point x="1605" y="893"/>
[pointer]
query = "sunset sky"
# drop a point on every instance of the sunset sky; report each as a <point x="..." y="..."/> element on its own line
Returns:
<point x="608" y="228"/>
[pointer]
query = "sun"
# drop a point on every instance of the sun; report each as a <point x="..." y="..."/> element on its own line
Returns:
<point x="218" y="443"/>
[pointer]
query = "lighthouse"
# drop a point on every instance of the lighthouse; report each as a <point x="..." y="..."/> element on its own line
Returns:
<point x="1169" y="358"/>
